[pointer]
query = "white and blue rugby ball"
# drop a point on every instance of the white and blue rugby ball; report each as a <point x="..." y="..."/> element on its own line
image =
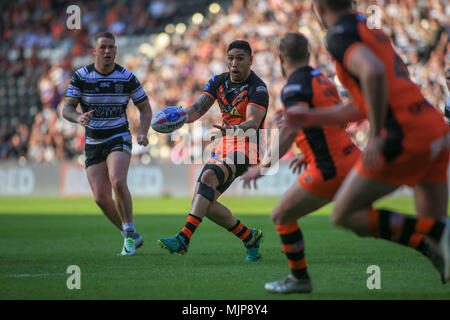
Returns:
<point x="169" y="119"/>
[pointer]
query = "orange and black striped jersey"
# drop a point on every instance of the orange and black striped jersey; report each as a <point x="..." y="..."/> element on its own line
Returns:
<point x="412" y="122"/>
<point x="323" y="147"/>
<point x="233" y="98"/>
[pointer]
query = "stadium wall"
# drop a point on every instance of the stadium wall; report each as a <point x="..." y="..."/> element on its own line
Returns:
<point x="69" y="179"/>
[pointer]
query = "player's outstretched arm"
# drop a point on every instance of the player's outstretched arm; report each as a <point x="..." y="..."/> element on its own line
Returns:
<point x="277" y="150"/>
<point x="254" y="117"/>
<point x="200" y="106"/>
<point x="281" y="145"/>
<point x="334" y="115"/>
<point x="70" y="113"/>
<point x="145" y="117"/>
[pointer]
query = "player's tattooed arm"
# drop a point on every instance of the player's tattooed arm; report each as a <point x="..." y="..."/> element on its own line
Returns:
<point x="200" y="106"/>
<point x="70" y="113"/>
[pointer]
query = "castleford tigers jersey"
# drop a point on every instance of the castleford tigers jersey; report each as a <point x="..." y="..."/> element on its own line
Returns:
<point x="412" y="122"/>
<point x="233" y="99"/>
<point x="108" y="95"/>
<point x="324" y="147"/>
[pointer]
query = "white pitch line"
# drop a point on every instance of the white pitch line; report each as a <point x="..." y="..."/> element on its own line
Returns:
<point x="32" y="275"/>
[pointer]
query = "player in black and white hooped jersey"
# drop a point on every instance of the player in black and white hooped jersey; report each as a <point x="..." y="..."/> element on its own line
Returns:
<point x="103" y="90"/>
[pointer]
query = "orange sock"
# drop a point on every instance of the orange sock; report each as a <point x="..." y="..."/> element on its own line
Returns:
<point x="241" y="231"/>
<point x="191" y="224"/>
<point x="403" y="229"/>
<point x="293" y="246"/>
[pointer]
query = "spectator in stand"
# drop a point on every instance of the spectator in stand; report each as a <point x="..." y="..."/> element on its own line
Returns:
<point x="419" y="29"/>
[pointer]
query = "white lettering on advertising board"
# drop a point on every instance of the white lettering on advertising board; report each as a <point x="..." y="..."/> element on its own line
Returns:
<point x="16" y="181"/>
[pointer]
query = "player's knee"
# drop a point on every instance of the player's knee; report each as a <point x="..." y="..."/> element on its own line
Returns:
<point x="209" y="178"/>
<point x="276" y="217"/>
<point x="280" y="216"/>
<point x="102" y="200"/>
<point x="337" y="217"/>
<point x="119" y="185"/>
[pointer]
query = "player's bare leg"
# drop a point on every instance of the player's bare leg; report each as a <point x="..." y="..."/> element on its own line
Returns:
<point x="118" y="163"/>
<point x="295" y="203"/>
<point x="204" y="195"/>
<point x="353" y="210"/>
<point x="205" y="203"/>
<point x="98" y="178"/>
<point x="354" y="200"/>
<point x="431" y="200"/>
<point x="221" y="215"/>
<point x="201" y="202"/>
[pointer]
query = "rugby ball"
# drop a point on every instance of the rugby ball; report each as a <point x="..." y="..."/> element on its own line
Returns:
<point x="169" y="119"/>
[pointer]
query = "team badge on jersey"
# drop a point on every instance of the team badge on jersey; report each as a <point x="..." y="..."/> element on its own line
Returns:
<point x="226" y="107"/>
<point x="118" y="88"/>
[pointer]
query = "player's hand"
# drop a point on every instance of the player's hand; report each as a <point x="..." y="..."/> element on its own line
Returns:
<point x="142" y="139"/>
<point x="279" y="118"/>
<point x="297" y="163"/>
<point x="224" y="128"/>
<point x="373" y="153"/>
<point x="299" y="116"/>
<point x="252" y="174"/>
<point x="85" y="118"/>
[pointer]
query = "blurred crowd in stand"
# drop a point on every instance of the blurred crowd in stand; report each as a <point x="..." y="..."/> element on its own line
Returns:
<point x="175" y="71"/>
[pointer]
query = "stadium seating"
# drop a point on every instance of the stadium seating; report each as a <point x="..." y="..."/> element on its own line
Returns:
<point x="178" y="72"/>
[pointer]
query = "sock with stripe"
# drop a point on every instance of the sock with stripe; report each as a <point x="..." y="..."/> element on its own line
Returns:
<point x="241" y="231"/>
<point x="406" y="230"/>
<point x="191" y="224"/>
<point x="293" y="246"/>
<point x="128" y="229"/>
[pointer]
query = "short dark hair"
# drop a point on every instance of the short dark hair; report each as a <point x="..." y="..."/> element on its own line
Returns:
<point x="336" y="5"/>
<point x="240" y="44"/>
<point x="294" y="47"/>
<point x="104" y="34"/>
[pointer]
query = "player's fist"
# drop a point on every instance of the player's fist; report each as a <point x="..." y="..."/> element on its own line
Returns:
<point x="85" y="118"/>
<point x="142" y="139"/>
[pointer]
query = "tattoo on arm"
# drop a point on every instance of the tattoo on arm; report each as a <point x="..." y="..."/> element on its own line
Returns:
<point x="202" y="104"/>
<point x="69" y="111"/>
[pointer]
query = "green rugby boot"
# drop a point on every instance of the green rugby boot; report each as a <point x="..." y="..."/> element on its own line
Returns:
<point x="175" y="244"/>
<point x="253" y="246"/>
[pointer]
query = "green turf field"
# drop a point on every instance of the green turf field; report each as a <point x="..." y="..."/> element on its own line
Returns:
<point x="41" y="237"/>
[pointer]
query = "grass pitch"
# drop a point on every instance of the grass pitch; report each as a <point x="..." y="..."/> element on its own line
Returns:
<point x="41" y="237"/>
